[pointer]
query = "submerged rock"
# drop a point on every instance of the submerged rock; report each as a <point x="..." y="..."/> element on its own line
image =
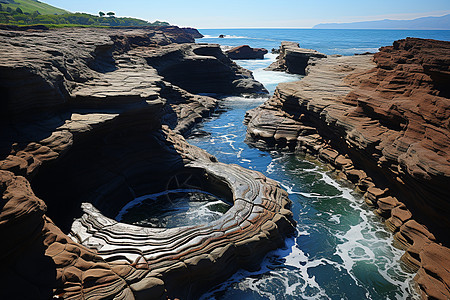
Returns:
<point x="293" y="59"/>
<point x="246" y="52"/>
<point x="383" y="121"/>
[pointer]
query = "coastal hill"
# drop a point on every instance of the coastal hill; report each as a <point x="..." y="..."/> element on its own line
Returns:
<point x="30" y="6"/>
<point x="425" y="23"/>
<point x="33" y="12"/>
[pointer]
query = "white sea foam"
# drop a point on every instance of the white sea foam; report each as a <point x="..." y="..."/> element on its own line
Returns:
<point x="358" y="238"/>
<point x="226" y="37"/>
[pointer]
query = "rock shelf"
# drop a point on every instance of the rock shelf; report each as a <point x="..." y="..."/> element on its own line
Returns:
<point x="293" y="59"/>
<point x="382" y="122"/>
<point x="96" y="116"/>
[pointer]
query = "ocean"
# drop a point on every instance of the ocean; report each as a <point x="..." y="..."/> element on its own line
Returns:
<point x="327" y="41"/>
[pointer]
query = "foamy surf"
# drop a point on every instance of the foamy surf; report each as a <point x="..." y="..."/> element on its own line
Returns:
<point x="341" y="250"/>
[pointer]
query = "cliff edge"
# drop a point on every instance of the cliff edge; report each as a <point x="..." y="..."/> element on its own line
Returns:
<point x="383" y="122"/>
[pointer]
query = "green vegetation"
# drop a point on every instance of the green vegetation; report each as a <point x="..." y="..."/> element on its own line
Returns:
<point x="30" y="6"/>
<point x="19" y="12"/>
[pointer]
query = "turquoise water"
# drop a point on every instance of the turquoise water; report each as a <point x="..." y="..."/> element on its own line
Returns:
<point x="328" y="41"/>
<point x="341" y="249"/>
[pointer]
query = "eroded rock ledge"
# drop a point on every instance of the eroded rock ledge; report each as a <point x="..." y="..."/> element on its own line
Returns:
<point x="383" y="122"/>
<point x="293" y="59"/>
<point x="95" y="116"/>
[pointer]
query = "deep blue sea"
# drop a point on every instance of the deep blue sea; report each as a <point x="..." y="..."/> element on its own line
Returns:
<point x="328" y="41"/>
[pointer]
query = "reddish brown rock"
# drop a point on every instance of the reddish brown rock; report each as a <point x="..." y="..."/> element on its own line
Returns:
<point x="95" y="115"/>
<point x="399" y="215"/>
<point x="387" y="116"/>
<point x="293" y="59"/>
<point x="433" y="276"/>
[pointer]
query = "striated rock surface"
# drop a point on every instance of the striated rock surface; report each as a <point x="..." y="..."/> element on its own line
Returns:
<point x="383" y="122"/>
<point x="218" y="74"/>
<point x="293" y="59"/>
<point x="246" y="52"/>
<point x="90" y="120"/>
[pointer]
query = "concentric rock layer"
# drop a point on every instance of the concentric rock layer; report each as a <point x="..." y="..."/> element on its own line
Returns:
<point x="90" y="120"/>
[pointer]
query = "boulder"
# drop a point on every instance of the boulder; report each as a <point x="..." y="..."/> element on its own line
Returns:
<point x="293" y="59"/>
<point x="246" y="52"/>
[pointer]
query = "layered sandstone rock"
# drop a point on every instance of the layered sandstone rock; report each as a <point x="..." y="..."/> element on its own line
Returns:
<point x="218" y="74"/>
<point x="95" y="116"/>
<point x="293" y="59"/>
<point x="384" y="124"/>
<point x="246" y="52"/>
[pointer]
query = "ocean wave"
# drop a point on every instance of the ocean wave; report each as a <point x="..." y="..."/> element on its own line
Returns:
<point x="226" y="37"/>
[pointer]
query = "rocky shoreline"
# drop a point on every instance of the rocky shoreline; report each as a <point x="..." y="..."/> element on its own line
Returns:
<point x="94" y="118"/>
<point x="382" y="123"/>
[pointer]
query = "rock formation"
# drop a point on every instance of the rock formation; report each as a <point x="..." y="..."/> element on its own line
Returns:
<point x="178" y="64"/>
<point x="293" y="59"/>
<point x="193" y="32"/>
<point x="246" y="52"/>
<point x="383" y="122"/>
<point x="91" y="119"/>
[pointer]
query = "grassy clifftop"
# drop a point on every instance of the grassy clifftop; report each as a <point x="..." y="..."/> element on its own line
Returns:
<point x="33" y="12"/>
<point x="31" y="6"/>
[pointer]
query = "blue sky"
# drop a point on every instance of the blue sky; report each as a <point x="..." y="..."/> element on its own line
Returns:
<point x="261" y="13"/>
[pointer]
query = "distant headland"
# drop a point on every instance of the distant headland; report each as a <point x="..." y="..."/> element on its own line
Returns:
<point x="425" y="23"/>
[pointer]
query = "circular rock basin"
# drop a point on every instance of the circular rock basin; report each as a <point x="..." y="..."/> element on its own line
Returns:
<point x="173" y="208"/>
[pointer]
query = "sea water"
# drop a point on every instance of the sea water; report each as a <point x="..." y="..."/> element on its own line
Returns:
<point x="327" y="41"/>
<point x="341" y="249"/>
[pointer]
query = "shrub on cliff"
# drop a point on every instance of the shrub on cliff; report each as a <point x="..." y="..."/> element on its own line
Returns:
<point x="17" y="18"/>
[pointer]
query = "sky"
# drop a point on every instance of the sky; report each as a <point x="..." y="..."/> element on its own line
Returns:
<point x="261" y="13"/>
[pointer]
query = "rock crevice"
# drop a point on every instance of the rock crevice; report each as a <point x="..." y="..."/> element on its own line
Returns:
<point x="383" y="124"/>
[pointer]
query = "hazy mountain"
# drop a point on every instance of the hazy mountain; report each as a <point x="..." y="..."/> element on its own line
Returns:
<point x="425" y="23"/>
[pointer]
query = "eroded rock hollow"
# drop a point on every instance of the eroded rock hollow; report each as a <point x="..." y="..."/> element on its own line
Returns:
<point x="92" y="119"/>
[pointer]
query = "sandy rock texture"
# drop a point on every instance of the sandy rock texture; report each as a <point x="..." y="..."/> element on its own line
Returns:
<point x="293" y="59"/>
<point x="93" y="118"/>
<point x="383" y="122"/>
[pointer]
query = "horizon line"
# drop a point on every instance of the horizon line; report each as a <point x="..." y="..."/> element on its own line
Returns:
<point x="313" y="28"/>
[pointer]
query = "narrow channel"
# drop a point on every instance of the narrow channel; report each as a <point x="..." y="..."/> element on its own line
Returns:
<point x="341" y="251"/>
